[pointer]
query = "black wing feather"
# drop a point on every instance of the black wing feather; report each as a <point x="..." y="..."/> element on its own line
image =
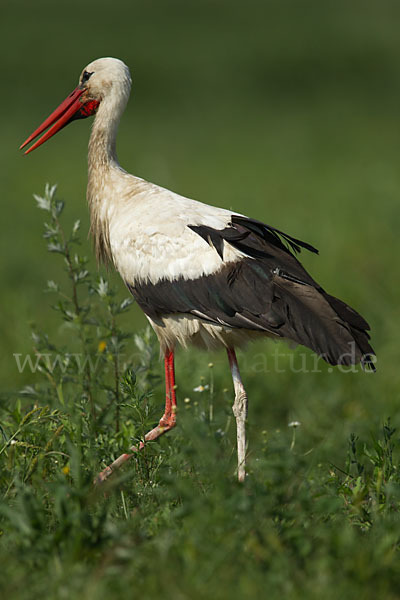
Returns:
<point x="267" y="290"/>
<point x="271" y="234"/>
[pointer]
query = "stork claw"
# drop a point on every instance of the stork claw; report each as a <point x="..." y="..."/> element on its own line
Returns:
<point x="166" y="423"/>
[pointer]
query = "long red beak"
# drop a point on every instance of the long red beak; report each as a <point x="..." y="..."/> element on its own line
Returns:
<point x="60" y="117"/>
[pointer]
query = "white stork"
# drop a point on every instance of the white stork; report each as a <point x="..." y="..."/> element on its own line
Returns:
<point x="201" y="274"/>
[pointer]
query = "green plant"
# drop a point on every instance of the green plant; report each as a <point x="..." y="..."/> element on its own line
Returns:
<point x="174" y="522"/>
<point x="91" y="393"/>
<point x="372" y="481"/>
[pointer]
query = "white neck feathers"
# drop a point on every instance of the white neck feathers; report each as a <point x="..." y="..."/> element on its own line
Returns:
<point x="102" y="158"/>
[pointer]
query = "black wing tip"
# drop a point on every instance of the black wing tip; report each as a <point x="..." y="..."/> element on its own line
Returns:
<point x="310" y="247"/>
<point x="294" y="244"/>
<point x="368" y="362"/>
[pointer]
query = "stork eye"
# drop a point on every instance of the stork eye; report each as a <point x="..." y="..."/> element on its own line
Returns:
<point x="86" y="76"/>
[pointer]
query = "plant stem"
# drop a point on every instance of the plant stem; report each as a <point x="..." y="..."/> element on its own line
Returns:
<point x="78" y="310"/>
<point x="116" y="377"/>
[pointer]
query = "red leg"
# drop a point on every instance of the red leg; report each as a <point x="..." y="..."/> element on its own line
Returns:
<point x="167" y="421"/>
<point x="169" y="417"/>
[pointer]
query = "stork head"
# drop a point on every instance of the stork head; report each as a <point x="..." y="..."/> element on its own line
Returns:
<point x="104" y="79"/>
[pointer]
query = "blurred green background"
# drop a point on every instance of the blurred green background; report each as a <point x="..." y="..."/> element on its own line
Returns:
<point x="287" y="111"/>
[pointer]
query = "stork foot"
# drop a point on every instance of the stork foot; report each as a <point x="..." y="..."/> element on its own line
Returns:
<point x="166" y="423"/>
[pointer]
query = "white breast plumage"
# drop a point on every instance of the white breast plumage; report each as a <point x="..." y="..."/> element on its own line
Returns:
<point x="145" y="248"/>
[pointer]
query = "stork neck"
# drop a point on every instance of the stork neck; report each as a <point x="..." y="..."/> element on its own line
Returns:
<point x="102" y="159"/>
<point x="102" y="144"/>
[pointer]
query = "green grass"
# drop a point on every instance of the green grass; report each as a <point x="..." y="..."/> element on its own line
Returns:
<point x="175" y="522"/>
<point x="288" y="112"/>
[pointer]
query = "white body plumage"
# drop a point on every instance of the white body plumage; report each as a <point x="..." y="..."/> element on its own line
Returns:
<point x="149" y="239"/>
